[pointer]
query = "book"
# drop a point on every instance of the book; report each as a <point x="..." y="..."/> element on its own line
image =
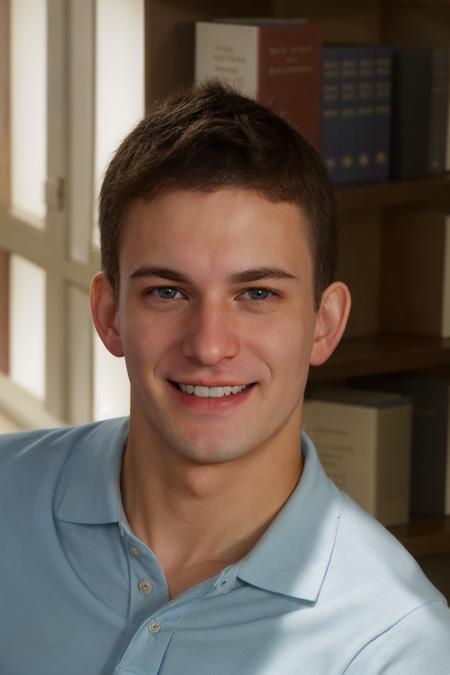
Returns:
<point x="356" y="114"/>
<point x="415" y="280"/>
<point x="439" y="111"/>
<point x="383" y="109"/>
<point x="419" y="113"/>
<point x="363" y="439"/>
<point x="348" y="74"/>
<point x="330" y="143"/>
<point x="278" y="65"/>
<point x="365" y="113"/>
<point x="430" y="449"/>
<point x="411" y="109"/>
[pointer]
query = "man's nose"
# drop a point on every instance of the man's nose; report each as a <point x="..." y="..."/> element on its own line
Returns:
<point x="211" y="334"/>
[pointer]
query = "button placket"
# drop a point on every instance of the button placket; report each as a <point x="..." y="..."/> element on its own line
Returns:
<point x="135" y="552"/>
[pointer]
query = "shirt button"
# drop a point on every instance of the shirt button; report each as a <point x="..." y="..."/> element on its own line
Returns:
<point x="135" y="552"/>
<point x="154" y="627"/>
<point x="145" y="586"/>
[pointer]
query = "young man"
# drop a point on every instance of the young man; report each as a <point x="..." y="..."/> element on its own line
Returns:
<point x="201" y="536"/>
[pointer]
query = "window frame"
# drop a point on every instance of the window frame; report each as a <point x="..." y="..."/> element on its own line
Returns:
<point x="70" y="97"/>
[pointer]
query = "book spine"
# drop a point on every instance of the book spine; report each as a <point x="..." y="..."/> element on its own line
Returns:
<point x="348" y="98"/>
<point x="411" y="112"/>
<point x="383" y="108"/>
<point x="228" y="53"/>
<point x="439" y="110"/>
<point x="365" y="112"/>
<point x="289" y="75"/>
<point x="330" y="112"/>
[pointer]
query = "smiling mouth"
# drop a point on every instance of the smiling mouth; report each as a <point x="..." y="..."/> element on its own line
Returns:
<point x="211" y="392"/>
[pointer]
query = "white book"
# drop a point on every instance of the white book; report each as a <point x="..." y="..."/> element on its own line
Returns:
<point x="228" y="52"/>
<point x="364" y="443"/>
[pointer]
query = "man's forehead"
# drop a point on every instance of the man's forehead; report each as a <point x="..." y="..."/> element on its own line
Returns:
<point x="229" y="231"/>
<point x="180" y="199"/>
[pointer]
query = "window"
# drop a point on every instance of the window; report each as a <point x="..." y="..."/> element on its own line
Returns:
<point x="65" y="69"/>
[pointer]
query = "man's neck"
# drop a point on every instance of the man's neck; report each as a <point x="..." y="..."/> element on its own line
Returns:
<point x="204" y="517"/>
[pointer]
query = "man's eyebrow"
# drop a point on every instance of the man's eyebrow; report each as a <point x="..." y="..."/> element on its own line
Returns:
<point x="163" y="272"/>
<point x="259" y="273"/>
<point x="246" y="276"/>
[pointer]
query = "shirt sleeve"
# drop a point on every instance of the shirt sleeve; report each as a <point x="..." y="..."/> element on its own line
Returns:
<point x="419" y="643"/>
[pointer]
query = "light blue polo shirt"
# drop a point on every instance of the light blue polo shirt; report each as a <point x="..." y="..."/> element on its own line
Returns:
<point x="326" y="590"/>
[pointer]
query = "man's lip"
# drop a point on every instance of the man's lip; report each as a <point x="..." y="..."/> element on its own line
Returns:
<point x="202" y="383"/>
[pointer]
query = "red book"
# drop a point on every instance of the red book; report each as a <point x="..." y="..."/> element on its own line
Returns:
<point x="276" y="62"/>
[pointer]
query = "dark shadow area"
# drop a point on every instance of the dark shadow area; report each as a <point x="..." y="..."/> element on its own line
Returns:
<point x="437" y="569"/>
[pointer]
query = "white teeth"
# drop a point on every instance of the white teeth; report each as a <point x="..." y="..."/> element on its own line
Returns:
<point x="211" y="392"/>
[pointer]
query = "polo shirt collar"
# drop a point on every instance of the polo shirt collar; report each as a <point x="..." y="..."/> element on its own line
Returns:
<point x="89" y="489"/>
<point x="291" y="557"/>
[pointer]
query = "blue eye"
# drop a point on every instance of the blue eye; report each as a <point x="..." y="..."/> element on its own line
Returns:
<point x="163" y="292"/>
<point x="170" y="293"/>
<point x="261" y="293"/>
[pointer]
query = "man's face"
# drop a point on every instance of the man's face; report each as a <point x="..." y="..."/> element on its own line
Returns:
<point x="216" y="290"/>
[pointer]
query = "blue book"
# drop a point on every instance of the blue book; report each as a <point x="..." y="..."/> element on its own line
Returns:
<point x="330" y="145"/>
<point x="348" y="99"/>
<point x="383" y="108"/>
<point x="365" y="113"/>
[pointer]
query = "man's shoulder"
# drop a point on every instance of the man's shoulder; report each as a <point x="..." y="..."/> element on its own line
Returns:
<point x="380" y="588"/>
<point x="378" y="571"/>
<point x="37" y="467"/>
<point x="416" y="644"/>
<point x="44" y="448"/>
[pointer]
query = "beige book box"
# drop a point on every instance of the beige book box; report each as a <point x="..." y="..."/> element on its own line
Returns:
<point x="363" y="439"/>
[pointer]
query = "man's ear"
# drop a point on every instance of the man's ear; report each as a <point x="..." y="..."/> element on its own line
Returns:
<point x="105" y="314"/>
<point x="331" y="321"/>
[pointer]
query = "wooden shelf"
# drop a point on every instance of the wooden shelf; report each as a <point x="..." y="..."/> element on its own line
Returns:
<point x="418" y="3"/>
<point x="424" y="535"/>
<point x="392" y="193"/>
<point x="382" y="354"/>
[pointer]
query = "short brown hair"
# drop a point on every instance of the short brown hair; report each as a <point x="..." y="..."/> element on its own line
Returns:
<point x="211" y="136"/>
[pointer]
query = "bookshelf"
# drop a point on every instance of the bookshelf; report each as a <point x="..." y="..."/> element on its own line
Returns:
<point x="392" y="193"/>
<point x="424" y="535"/>
<point x="378" y="354"/>
<point x="169" y="64"/>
